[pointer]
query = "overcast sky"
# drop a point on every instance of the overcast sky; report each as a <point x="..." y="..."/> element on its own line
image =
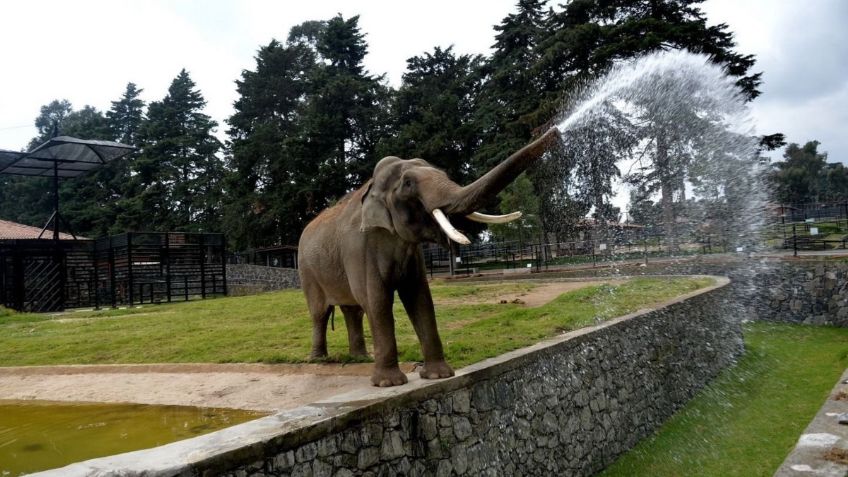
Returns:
<point x="86" y="51"/>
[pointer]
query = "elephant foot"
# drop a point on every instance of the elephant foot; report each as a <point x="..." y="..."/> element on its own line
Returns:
<point x="388" y="377"/>
<point x="318" y="355"/>
<point x="359" y="353"/>
<point x="436" y="370"/>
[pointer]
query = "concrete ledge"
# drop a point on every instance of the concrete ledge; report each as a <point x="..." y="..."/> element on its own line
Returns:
<point x="823" y="448"/>
<point x="567" y="405"/>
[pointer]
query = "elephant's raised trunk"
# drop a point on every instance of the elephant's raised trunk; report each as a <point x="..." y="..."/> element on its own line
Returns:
<point x="475" y="195"/>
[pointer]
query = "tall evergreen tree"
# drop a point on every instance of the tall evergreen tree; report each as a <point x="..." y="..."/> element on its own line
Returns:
<point x="346" y="113"/>
<point x="433" y="112"/>
<point x="265" y="200"/>
<point x="805" y="176"/>
<point x="126" y="115"/>
<point x="177" y="181"/>
<point x="511" y="91"/>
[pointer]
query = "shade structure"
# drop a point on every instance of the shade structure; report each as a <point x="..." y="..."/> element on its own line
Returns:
<point x="63" y="156"/>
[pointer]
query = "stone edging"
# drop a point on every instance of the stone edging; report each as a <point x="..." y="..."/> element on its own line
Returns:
<point x="824" y="437"/>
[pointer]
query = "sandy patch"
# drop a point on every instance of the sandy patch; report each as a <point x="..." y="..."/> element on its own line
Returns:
<point x="261" y="387"/>
<point x="538" y="296"/>
<point x="240" y="386"/>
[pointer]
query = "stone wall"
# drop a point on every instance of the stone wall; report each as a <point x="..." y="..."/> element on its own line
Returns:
<point x="243" y="279"/>
<point x="811" y="292"/>
<point x="782" y="289"/>
<point x="566" y="406"/>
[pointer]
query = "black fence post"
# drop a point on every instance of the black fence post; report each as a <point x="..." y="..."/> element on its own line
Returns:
<point x="3" y="297"/>
<point x="96" y="278"/>
<point x="794" y="242"/>
<point x="111" y="257"/>
<point x="451" y="260"/>
<point x="130" y="268"/>
<point x="224" y="263"/>
<point x="19" y="294"/>
<point x="166" y="256"/>
<point x="202" y="267"/>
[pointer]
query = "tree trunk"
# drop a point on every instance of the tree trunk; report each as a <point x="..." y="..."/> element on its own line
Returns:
<point x="667" y="190"/>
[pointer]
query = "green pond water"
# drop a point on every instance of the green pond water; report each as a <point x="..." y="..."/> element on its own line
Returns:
<point x="40" y="435"/>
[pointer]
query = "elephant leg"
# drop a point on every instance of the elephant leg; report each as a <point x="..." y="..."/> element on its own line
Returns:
<point x="355" y="335"/>
<point x="320" y="318"/>
<point x="418" y="302"/>
<point x="319" y="311"/>
<point x="382" y="322"/>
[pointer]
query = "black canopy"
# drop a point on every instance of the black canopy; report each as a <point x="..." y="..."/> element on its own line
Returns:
<point x="64" y="156"/>
<point x="61" y="156"/>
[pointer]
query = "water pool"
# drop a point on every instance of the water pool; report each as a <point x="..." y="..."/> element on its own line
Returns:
<point x="40" y="435"/>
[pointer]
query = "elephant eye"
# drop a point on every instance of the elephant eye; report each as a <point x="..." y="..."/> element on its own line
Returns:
<point x="407" y="183"/>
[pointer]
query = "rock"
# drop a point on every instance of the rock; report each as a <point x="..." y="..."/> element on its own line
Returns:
<point x="306" y="453"/>
<point x="392" y="447"/>
<point x="842" y="418"/>
<point x="321" y="469"/>
<point x="367" y="457"/>
<point x="302" y="470"/>
<point x="372" y="434"/>
<point x="462" y="428"/>
<point x="462" y="401"/>
<point x="459" y="459"/>
<point x="284" y="461"/>
<point x="444" y="468"/>
<point x="429" y="426"/>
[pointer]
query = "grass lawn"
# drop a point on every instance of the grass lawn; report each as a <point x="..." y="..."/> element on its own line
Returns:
<point x="275" y="327"/>
<point x="747" y="421"/>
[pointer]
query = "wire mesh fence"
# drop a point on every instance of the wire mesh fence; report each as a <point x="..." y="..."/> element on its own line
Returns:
<point x="127" y="269"/>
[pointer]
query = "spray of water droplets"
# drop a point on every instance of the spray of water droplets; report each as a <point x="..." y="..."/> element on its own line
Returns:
<point x="675" y="114"/>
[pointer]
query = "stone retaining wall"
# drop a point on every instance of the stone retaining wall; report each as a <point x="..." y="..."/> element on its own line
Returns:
<point x="810" y="291"/>
<point x="566" y="406"/>
<point x="243" y="279"/>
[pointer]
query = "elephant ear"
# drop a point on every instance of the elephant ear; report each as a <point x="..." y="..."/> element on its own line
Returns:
<point x="374" y="211"/>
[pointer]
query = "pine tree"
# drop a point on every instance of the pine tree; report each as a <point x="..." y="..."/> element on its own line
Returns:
<point x="511" y="92"/>
<point x="433" y="112"/>
<point x="177" y="181"/>
<point x="264" y="197"/>
<point x="346" y="113"/>
<point x="805" y="176"/>
<point x="87" y="200"/>
<point x="126" y="115"/>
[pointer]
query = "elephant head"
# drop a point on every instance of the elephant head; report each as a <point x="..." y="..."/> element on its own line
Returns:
<point x="417" y="201"/>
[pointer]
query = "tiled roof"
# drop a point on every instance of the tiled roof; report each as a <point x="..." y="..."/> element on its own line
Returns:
<point x="14" y="230"/>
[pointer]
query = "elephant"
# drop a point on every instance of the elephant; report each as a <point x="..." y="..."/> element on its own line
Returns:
<point x="357" y="253"/>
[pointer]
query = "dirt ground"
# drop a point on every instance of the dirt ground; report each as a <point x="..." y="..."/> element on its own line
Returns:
<point x="261" y="387"/>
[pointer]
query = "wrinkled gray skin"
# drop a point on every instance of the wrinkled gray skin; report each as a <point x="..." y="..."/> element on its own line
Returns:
<point x="365" y="248"/>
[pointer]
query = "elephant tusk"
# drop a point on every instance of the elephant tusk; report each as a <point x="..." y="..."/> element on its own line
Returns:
<point x="445" y="224"/>
<point x="493" y="219"/>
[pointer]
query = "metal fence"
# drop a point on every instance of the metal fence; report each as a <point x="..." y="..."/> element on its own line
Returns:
<point x="127" y="269"/>
<point x="476" y="258"/>
<point x="815" y="226"/>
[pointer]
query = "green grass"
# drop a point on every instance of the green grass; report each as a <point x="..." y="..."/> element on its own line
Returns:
<point x="275" y="327"/>
<point x="747" y="421"/>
